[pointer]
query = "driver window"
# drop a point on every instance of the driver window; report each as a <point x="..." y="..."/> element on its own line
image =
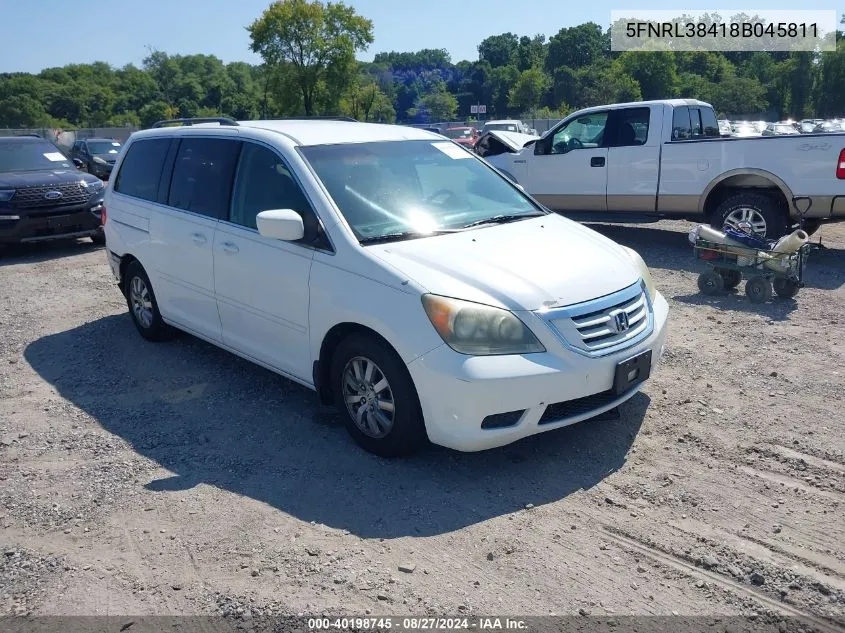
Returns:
<point x="585" y="132"/>
<point x="264" y="182"/>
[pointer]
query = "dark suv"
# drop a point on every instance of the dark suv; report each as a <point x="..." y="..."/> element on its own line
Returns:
<point x="97" y="155"/>
<point x="43" y="196"/>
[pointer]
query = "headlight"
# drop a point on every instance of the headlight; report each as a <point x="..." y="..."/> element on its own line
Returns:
<point x="477" y="329"/>
<point x="99" y="161"/>
<point x="94" y="187"/>
<point x="644" y="271"/>
<point x="6" y="194"/>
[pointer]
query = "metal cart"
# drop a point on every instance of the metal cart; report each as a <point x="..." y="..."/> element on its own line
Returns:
<point x="764" y="270"/>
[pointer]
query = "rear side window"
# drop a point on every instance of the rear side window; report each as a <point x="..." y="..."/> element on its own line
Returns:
<point x="629" y="127"/>
<point x="681" y="130"/>
<point x="141" y="169"/>
<point x="202" y="176"/>
<point x="709" y="125"/>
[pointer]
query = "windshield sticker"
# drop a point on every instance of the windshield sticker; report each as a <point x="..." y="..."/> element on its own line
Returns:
<point x="451" y="150"/>
<point x="116" y="144"/>
<point x="112" y="151"/>
<point x="56" y="157"/>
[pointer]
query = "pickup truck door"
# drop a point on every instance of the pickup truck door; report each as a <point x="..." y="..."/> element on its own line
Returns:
<point x="568" y="171"/>
<point x="633" y="158"/>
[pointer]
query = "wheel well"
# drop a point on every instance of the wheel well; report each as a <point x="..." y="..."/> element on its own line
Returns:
<point x="124" y="264"/>
<point x="752" y="183"/>
<point x="330" y="342"/>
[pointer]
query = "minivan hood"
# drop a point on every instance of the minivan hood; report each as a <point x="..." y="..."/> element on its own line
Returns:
<point x="525" y="265"/>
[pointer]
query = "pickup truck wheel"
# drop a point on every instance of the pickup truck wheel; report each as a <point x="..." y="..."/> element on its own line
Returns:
<point x="376" y="397"/>
<point x="751" y="212"/>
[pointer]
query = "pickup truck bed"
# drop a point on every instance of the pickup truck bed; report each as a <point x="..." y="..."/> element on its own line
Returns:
<point x="666" y="159"/>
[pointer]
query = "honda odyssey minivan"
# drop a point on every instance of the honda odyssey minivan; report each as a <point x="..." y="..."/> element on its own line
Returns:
<point x="395" y="273"/>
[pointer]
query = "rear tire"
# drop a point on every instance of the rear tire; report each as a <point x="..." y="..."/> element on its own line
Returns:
<point x="142" y="304"/>
<point x="376" y="397"/>
<point x="755" y="211"/>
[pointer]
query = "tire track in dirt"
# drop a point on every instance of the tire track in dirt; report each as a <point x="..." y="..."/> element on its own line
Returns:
<point x="689" y="569"/>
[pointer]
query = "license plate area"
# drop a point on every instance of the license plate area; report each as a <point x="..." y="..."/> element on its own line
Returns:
<point x="631" y="372"/>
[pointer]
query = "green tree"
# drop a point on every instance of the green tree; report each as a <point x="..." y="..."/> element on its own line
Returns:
<point x="156" y="111"/>
<point x="316" y="39"/>
<point x="438" y="105"/>
<point x="526" y="93"/>
<point x="530" y="52"/>
<point x="654" y="71"/>
<point x="499" y="50"/>
<point x="501" y="81"/>
<point x="577" y="47"/>
<point x="739" y="95"/>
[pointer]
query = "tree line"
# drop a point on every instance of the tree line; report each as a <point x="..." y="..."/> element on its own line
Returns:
<point x="309" y="67"/>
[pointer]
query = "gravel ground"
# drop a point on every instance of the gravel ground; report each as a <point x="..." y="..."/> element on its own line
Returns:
<point x="175" y="478"/>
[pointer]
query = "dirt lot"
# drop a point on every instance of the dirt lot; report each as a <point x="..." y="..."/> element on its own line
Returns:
<point x="175" y="478"/>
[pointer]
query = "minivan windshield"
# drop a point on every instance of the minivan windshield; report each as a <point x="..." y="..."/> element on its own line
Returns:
<point x="26" y="155"/>
<point x="405" y="189"/>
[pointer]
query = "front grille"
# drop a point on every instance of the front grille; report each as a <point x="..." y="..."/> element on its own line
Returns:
<point x="604" y="325"/>
<point x="560" y="411"/>
<point x="33" y="197"/>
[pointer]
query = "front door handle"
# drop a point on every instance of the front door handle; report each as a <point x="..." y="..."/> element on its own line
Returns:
<point x="597" y="161"/>
<point x="198" y="238"/>
<point x="230" y="247"/>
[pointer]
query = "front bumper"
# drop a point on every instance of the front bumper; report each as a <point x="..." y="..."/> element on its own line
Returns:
<point x="457" y="392"/>
<point x="103" y="172"/>
<point x="37" y="225"/>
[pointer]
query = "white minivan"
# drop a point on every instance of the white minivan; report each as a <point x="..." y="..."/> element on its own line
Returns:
<point x="395" y="273"/>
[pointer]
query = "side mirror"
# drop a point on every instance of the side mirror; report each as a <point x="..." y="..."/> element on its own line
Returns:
<point x="280" y="224"/>
<point x="78" y="163"/>
<point x="541" y="146"/>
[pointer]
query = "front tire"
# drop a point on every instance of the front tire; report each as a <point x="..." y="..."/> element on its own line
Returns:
<point x="99" y="238"/>
<point x="376" y="397"/>
<point x="751" y="212"/>
<point x="758" y="289"/>
<point x="142" y="304"/>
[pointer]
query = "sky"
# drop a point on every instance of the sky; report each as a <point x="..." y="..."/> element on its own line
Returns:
<point x="40" y="34"/>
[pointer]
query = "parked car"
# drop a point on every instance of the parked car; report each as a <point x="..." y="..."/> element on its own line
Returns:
<point x="43" y="196"/>
<point x="97" y="154"/>
<point x="725" y="128"/>
<point x="433" y="129"/>
<point x="388" y="269"/>
<point x="743" y="129"/>
<point x="666" y="159"/>
<point x="778" y="129"/>
<point x="465" y="136"/>
<point x="505" y="125"/>
<point x="829" y="127"/>
<point x="808" y="126"/>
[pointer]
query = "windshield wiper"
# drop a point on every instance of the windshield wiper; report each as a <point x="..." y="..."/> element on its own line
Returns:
<point x="501" y="219"/>
<point x="404" y="235"/>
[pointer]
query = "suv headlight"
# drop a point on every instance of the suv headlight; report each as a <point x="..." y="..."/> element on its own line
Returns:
<point x="478" y="329"/>
<point x="96" y="186"/>
<point x="6" y="194"/>
<point x="644" y="272"/>
<point x="99" y="161"/>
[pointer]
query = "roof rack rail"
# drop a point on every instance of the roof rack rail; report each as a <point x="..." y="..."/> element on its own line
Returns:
<point x="222" y="120"/>
<point x="348" y="119"/>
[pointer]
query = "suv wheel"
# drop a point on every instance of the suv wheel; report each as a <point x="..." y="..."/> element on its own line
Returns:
<point x="99" y="237"/>
<point x="142" y="305"/>
<point x="376" y="397"/>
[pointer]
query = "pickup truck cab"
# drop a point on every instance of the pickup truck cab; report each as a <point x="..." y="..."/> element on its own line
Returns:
<point x="667" y="159"/>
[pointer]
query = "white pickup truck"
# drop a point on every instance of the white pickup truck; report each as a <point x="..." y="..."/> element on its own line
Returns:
<point x="667" y="159"/>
